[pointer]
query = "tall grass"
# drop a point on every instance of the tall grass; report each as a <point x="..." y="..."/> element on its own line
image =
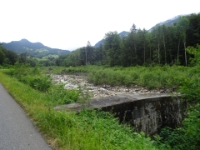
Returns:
<point x="150" y="77"/>
<point x="33" y="77"/>
<point x="88" y="130"/>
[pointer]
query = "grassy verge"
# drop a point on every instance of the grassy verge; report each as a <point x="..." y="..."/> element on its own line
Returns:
<point x="89" y="130"/>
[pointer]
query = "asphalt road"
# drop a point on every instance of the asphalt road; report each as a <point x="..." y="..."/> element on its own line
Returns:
<point x="16" y="130"/>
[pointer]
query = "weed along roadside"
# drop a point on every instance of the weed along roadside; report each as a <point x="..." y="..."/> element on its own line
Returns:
<point x="87" y="130"/>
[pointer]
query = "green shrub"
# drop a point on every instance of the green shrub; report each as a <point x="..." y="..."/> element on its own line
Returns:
<point x="57" y="95"/>
<point x="41" y="83"/>
<point x="31" y="76"/>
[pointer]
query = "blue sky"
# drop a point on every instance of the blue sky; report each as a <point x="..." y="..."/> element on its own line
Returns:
<point x="69" y="24"/>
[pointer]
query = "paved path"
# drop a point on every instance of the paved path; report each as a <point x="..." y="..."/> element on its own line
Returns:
<point x="16" y="130"/>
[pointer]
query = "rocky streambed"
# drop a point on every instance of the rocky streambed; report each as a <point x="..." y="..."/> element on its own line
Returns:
<point x="145" y="110"/>
<point x="99" y="91"/>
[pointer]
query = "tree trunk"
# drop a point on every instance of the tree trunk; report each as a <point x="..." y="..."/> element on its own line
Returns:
<point x="150" y="54"/>
<point x="144" y="52"/>
<point x="165" y="48"/>
<point x="178" y="50"/>
<point x="86" y="56"/>
<point x="171" y="61"/>
<point x="184" y="43"/>
<point x="135" y="48"/>
<point x="158" y="53"/>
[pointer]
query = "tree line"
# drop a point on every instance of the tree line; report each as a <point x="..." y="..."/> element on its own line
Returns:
<point x="8" y="57"/>
<point x="162" y="45"/>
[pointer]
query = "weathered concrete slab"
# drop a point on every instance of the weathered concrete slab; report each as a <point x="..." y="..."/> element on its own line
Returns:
<point x="109" y="101"/>
<point x="145" y="112"/>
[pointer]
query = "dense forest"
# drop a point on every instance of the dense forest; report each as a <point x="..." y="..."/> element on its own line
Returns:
<point x="162" y="45"/>
<point x="8" y="57"/>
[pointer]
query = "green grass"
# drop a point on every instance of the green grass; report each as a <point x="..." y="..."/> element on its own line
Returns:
<point x="150" y="77"/>
<point x="88" y="130"/>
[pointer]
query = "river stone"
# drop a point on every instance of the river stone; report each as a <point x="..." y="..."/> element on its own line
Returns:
<point x="80" y="82"/>
<point x="70" y="86"/>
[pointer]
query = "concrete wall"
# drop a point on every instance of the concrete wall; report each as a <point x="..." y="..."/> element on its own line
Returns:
<point x="147" y="113"/>
<point x="151" y="114"/>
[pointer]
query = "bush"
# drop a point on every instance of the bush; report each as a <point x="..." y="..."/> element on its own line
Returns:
<point x="31" y="76"/>
<point x="41" y="83"/>
<point x="57" y="95"/>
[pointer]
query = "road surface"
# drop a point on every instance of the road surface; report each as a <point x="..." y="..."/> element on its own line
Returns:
<point x="16" y="130"/>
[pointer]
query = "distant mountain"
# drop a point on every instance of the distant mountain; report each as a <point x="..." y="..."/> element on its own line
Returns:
<point x="121" y="34"/>
<point x="33" y="49"/>
<point x="168" y="22"/>
<point x="98" y="43"/>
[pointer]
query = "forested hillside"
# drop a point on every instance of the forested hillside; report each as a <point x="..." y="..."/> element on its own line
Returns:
<point x="164" y="44"/>
<point x="32" y="49"/>
<point x="7" y="57"/>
